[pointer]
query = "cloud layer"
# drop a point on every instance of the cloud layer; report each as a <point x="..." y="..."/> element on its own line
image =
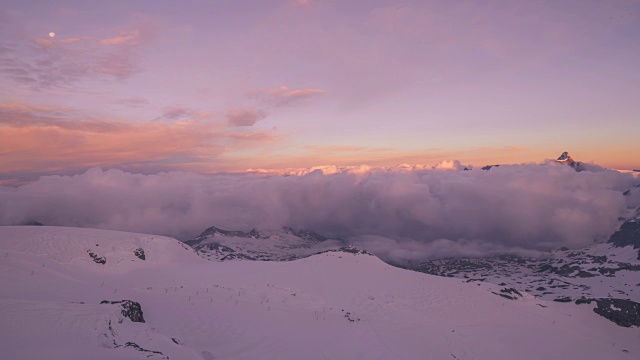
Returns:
<point x="398" y="214"/>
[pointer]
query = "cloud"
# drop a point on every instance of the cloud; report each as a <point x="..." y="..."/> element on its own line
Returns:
<point x="73" y="40"/>
<point x="46" y="63"/>
<point x="401" y="216"/>
<point x="37" y="138"/>
<point x="245" y="117"/>
<point x="129" y="38"/>
<point x="344" y="148"/>
<point x="119" y="65"/>
<point x="179" y="113"/>
<point x="284" y="96"/>
<point x="450" y="165"/>
<point x="132" y="101"/>
<point x="56" y="64"/>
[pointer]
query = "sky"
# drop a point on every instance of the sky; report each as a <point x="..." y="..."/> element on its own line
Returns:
<point x="227" y="86"/>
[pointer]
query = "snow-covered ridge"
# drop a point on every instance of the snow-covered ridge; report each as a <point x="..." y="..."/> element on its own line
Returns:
<point x="284" y="245"/>
<point x="77" y="246"/>
<point x="336" y="305"/>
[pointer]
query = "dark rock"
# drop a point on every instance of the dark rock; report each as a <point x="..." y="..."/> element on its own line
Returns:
<point x="627" y="235"/>
<point x="565" y="158"/>
<point x="213" y="231"/>
<point x="511" y="291"/>
<point x="547" y="268"/>
<point x="139" y="252"/>
<point x="130" y="309"/>
<point x="139" y="348"/>
<point x="97" y="259"/>
<point x="598" y="259"/>
<point x="565" y="299"/>
<point x="503" y="295"/>
<point x="621" y="311"/>
<point x="304" y="234"/>
<point x="488" y="167"/>
<point x="584" y="274"/>
<point x="351" y="250"/>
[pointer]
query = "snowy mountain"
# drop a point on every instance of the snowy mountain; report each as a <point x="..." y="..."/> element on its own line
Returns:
<point x="606" y="273"/>
<point x="601" y="272"/>
<point x="565" y="158"/>
<point x="285" y="245"/>
<point x="58" y="302"/>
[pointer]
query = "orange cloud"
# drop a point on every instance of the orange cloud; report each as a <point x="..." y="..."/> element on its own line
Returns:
<point x="129" y="38"/>
<point x="72" y="40"/>
<point x="44" y="42"/>
<point x="44" y="139"/>
<point x="245" y="117"/>
<point x="325" y="149"/>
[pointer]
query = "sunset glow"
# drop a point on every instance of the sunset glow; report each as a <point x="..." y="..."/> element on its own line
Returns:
<point x="151" y="86"/>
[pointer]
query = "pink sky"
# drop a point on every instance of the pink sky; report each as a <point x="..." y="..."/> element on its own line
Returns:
<point x="208" y="86"/>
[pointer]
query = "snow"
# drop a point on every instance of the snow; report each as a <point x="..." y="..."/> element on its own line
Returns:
<point x="334" y="305"/>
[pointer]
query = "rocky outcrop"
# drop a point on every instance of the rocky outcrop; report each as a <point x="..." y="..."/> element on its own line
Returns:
<point x="509" y="293"/>
<point x="130" y="309"/>
<point x="621" y="311"/>
<point x="285" y="244"/>
<point x="213" y="231"/>
<point x="139" y="253"/>
<point x="97" y="259"/>
<point x="304" y="234"/>
<point x="564" y="299"/>
<point x="565" y="158"/>
<point x="627" y="235"/>
<point x="488" y="167"/>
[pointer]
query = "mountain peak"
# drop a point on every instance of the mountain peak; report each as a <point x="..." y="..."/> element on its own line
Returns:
<point x="565" y="157"/>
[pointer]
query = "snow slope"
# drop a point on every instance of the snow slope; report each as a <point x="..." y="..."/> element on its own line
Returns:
<point x="334" y="305"/>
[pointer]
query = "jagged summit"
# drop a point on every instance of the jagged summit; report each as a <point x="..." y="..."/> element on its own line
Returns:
<point x="565" y="157"/>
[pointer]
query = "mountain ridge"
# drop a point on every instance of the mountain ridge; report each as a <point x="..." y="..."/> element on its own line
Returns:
<point x="335" y="304"/>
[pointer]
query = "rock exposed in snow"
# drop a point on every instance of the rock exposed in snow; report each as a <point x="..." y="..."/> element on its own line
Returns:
<point x="130" y="309"/>
<point x="628" y="235"/>
<point x="623" y="312"/>
<point x="284" y="245"/>
<point x="139" y="253"/>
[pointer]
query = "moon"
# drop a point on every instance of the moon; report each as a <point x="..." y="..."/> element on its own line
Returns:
<point x="52" y="34"/>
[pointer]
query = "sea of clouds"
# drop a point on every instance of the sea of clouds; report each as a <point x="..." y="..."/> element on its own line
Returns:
<point x="398" y="214"/>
